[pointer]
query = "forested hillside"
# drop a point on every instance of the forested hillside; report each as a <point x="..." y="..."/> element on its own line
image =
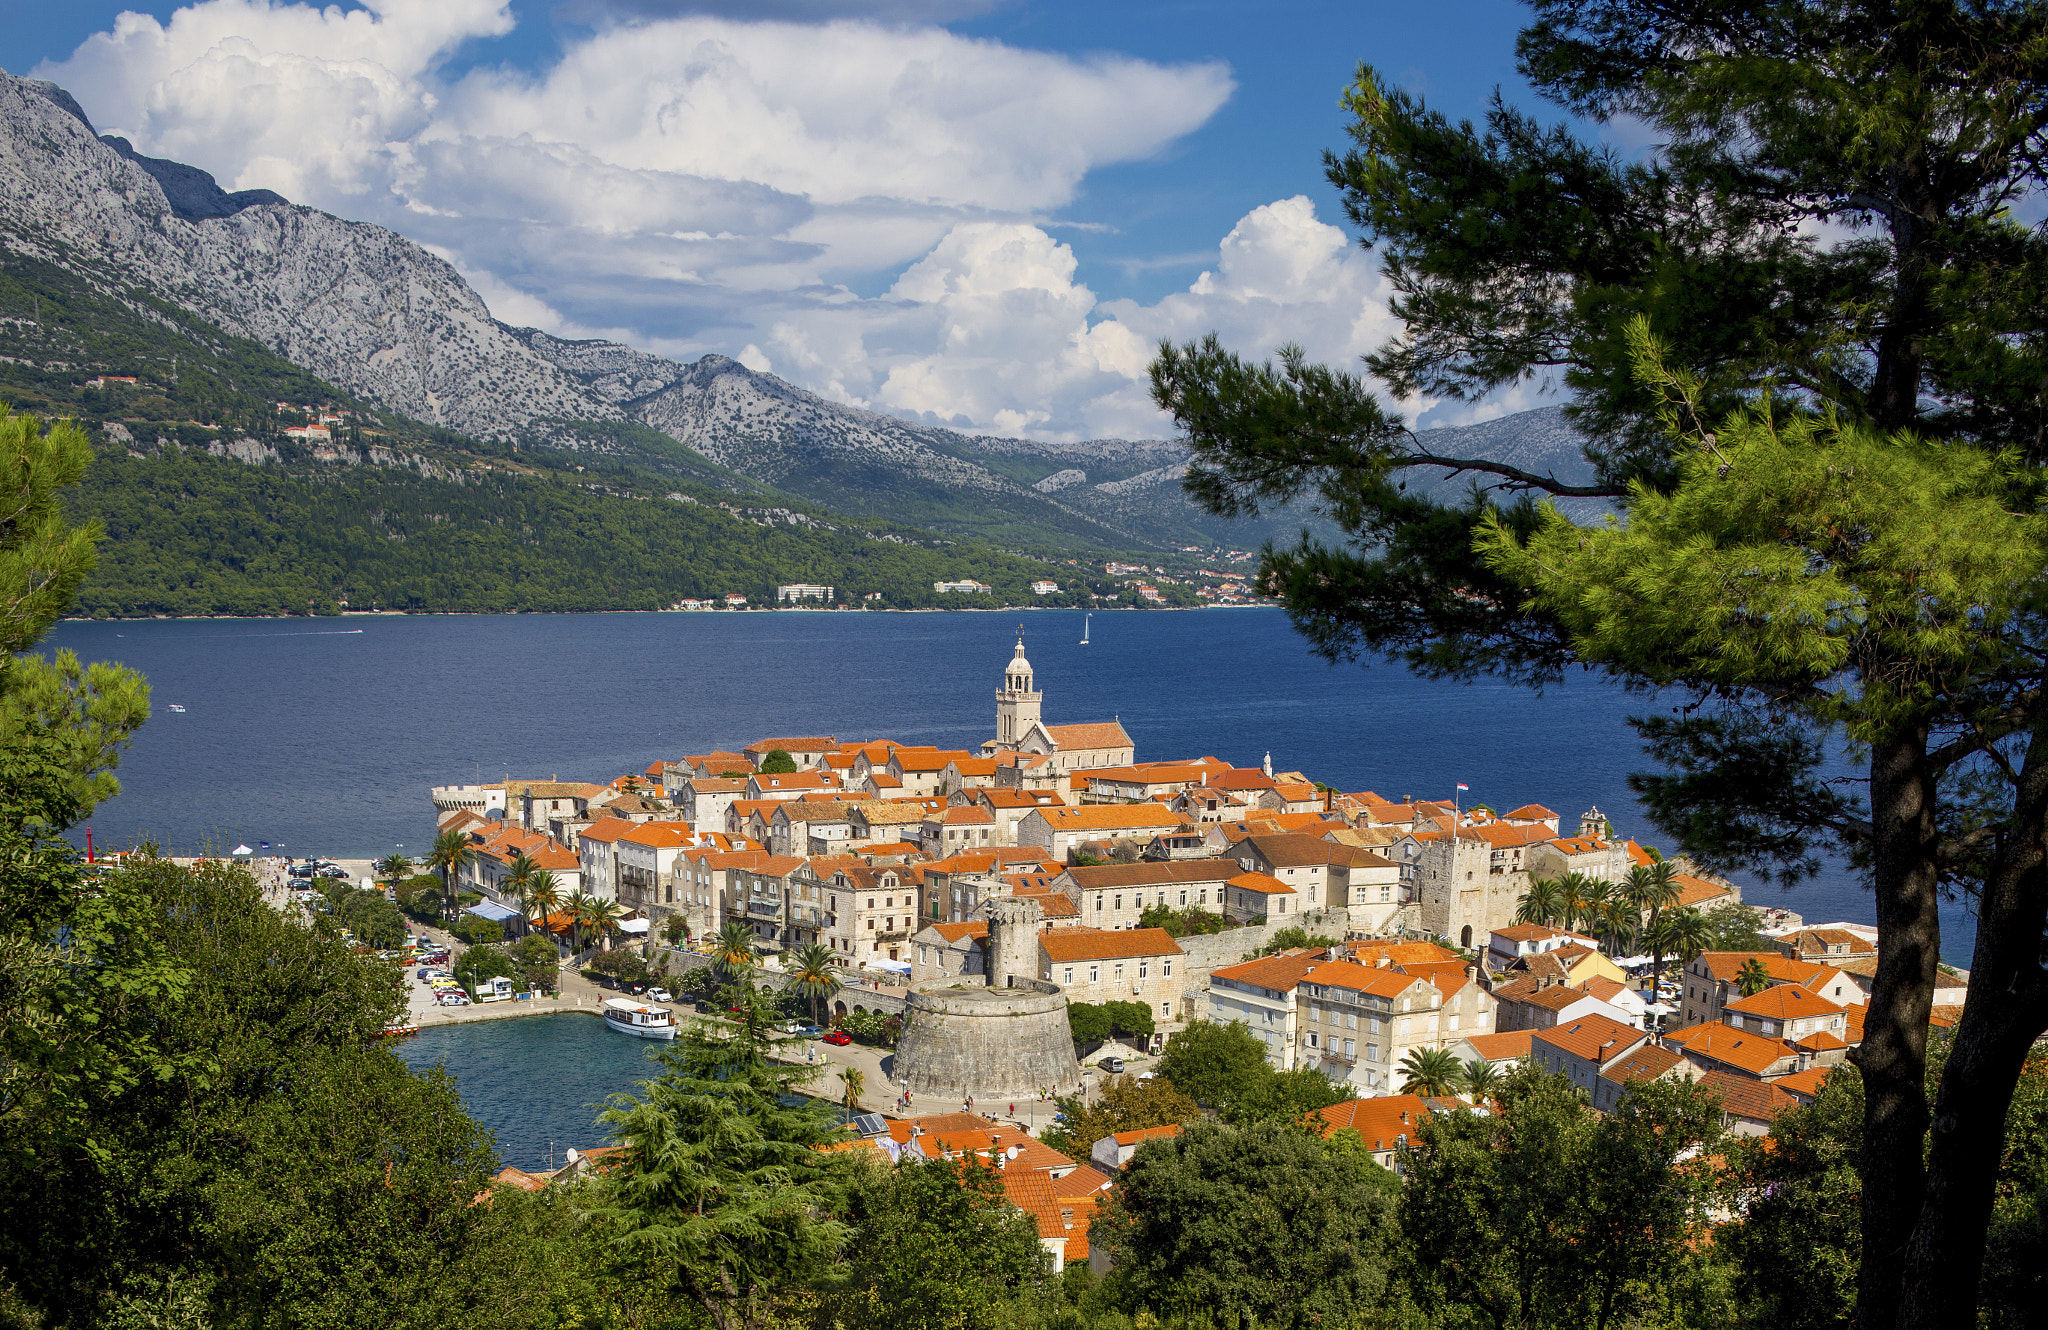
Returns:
<point x="191" y="533"/>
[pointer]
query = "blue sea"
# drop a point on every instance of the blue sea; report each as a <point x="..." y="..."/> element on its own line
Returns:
<point x="322" y="736"/>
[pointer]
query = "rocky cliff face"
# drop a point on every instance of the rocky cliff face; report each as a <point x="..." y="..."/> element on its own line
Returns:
<point x="356" y="304"/>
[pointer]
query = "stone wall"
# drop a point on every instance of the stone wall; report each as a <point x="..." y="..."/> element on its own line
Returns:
<point x="1212" y="951"/>
<point x="960" y="1038"/>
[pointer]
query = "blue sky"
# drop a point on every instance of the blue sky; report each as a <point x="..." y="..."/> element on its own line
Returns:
<point x="1122" y="151"/>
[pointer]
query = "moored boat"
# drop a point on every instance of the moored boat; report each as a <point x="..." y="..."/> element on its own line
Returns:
<point x="639" y="1019"/>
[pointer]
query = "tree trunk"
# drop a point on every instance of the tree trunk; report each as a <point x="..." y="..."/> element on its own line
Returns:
<point x="1893" y="1055"/>
<point x="2002" y="1016"/>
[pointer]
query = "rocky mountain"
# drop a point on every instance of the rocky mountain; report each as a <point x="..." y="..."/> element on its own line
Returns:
<point x="377" y="315"/>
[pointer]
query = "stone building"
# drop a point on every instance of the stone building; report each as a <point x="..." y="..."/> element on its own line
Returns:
<point x="1469" y="881"/>
<point x="1124" y="965"/>
<point x="1020" y="728"/>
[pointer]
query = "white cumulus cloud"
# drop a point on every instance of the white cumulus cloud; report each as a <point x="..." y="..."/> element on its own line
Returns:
<point x="689" y="182"/>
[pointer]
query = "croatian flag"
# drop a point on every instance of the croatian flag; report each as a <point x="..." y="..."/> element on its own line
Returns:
<point x="1463" y="786"/>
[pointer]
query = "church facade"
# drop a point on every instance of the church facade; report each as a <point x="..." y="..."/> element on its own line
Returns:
<point x="1021" y="729"/>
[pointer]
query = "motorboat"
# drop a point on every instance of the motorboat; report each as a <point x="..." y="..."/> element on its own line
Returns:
<point x="175" y="707"/>
<point x="639" y="1019"/>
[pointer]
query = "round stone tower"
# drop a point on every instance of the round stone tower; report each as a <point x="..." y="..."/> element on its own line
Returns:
<point x="1012" y="939"/>
<point x="962" y="1038"/>
<point x="1006" y="1038"/>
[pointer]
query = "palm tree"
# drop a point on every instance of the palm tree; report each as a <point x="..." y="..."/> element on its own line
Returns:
<point x="451" y="854"/>
<point x="854" y="1082"/>
<point x="814" y="974"/>
<point x="1541" y="903"/>
<point x="604" y="916"/>
<point x="393" y="867"/>
<point x="1653" y="888"/>
<point x="1432" y="1072"/>
<point x="1623" y="922"/>
<point x="540" y="896"/>
<point x="518" y="873"/>
<point x="1596" y="906"/>
<point x="1752" y="978"/>
<point x="577" y="907"/>
<point x="733" y="953"/>
<point x="1686" y="934"/>
<point x="1482" y="1079"/>
<point x="1571" y="900"/>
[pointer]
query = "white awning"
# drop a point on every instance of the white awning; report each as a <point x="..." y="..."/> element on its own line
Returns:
<point x="632" y="925"/>
<point x="893" y="967"/>
<point x="242" y="850"/>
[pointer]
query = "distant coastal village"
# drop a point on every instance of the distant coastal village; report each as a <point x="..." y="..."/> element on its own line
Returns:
<point x="1358" y="934"/>
<point x="1132" y="585"/>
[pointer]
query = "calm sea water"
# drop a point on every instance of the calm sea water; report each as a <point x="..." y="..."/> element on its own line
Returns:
<point x="322" y="736"/>
<point x="538" y="1082"/>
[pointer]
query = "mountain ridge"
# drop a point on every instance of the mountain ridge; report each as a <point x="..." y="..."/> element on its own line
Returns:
<point x="381" y="317"/>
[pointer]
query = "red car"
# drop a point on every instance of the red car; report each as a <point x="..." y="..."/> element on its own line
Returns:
<point x="839" y="1037"/>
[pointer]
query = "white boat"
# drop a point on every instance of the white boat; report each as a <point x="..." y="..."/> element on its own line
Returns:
<point x="1084" y="628"/>
<point x="175" y="707"/>
<point x="638" y="1019"/>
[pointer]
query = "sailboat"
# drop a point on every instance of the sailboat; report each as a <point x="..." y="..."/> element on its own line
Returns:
<point x="1084" y="628"/>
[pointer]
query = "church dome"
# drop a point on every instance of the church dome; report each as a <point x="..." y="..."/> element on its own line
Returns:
<point x="1019" y="665"/>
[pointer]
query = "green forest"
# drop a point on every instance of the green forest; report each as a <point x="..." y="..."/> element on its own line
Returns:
<point x="191" y="533"/>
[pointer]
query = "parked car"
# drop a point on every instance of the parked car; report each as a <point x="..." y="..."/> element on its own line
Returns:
<point x="659" y="995"/>
<point x="809" y="1031"/>
<point x="839" y="1038"/>
<point x="1113" y="1066"/>
<point x="334" y="870"/>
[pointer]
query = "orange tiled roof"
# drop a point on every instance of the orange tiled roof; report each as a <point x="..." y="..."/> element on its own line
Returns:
<point x="1262" y="883"/>
<point x="1784" y="1002"/>
<point x="1099" y="944"/>
<point x="1381" y="1123"/>
<point x="608" y="829"/>
<point x="1090" y="734"/>
<point x="1596" y="1038"/>
<point x="1645" y="1064"/>
<point x="1279" y="973"/>
<point x="1749" y="1099"/>
<point x="1351" y="975"/>
<point x="1742" y="1049"/>
<point x="1148" y="1134"/>
<point x="1107" y="817"/>
<point x="1501" y="1047"/>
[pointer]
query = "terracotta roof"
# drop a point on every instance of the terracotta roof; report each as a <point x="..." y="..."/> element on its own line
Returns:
<point x="1107" y="817"/>
<point x="1501" y="1047"/>
<point x="1090" y="734"/>
<point x="965" y="815"/>
<point x="1596" y="1038"/>
<point x="1299" y="849"/>
<point x="890" y="812"/>
<point x="1502" y="836"/>
<point x="1639" y="856"/>
<point x="1083" y="1181"/>
<point x="1381" y="1123"/>
<point x="1019" y="798"/>
<point x="1784" y="1002"/>
<point x="1804" y="1085"/>
<point x="1098" y="877"/>
<point x="1279" y="973"/>
<point x="1107" y="944"/>
<point x="1536" y="812"/>
<point x="1581" y="844"/>
<point x="1262" y="883"/>
<point x="1645" y="1064"/>
<point x="807" y="744"/>
<point x="1348" y="974"/>
<point x="1822" y="1041"/>
<point x="1600" y="986"/>
<point x="1144" y="1134"/>
<point x="1530" y="933"/>
<point x="1742" y="1049"/>
<point x="1030" y="1190"/>
<point x="932" y="760"/>
<point x="608" y="829"/>
<point x="1399" y="953"/>
<point x="903" y="1130"/>
<point x="714" y="785"/>
<point x="1555" y="998"/>
<point x="1694" y="891"/>
<point x="660" y="835"/>
<point x="971" y="928"/>
<point x="1726" y="966"/>
<point x="1751" y="1100"/>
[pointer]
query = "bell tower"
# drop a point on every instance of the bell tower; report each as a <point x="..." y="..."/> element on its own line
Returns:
<point x="1016" y="702"/>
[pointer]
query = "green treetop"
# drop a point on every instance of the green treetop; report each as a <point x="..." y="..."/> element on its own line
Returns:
<point x="1804" y="336"/>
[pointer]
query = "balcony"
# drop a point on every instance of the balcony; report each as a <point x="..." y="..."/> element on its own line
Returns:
<point x="771" y="909"/>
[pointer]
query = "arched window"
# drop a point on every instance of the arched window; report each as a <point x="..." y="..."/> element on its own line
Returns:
<point x="1465" y="938"/>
